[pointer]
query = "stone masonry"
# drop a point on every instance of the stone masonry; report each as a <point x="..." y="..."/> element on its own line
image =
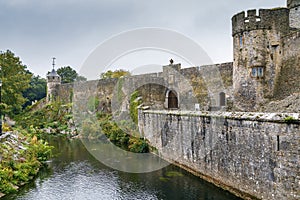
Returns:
<point x="266" y="55"/>
<point x="254" y="155"/>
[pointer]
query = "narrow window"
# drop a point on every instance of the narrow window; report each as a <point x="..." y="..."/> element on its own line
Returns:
<point x="241" y="41"/>
<point x="254" y="72"/>
<point x="260" y="72"/>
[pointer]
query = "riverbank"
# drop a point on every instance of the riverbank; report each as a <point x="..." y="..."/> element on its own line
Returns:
<point x="22" y="156"/>
<point x="75" y="174"/>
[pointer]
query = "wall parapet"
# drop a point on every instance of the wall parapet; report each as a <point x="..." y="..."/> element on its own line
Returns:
<point x="251" y="116"/>
<point x="277" y="18"/>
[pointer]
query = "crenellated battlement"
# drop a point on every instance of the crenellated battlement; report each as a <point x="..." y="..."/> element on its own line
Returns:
<point x="276" y="19"/>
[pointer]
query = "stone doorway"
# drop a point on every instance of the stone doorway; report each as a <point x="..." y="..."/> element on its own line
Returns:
<point x="172" y="100"/>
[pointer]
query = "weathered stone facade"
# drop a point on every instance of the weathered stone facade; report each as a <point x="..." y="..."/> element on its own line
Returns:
<point x="189" y="85"/>
<point x="254" y="155"/>
<point x="288" y="82"/>
<point x="266" y="55"/>
<point x="294" y="6"/>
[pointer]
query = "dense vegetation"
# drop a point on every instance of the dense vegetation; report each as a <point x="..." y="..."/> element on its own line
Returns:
<point x="55" y="117"/>
<point x="22" y="155"/>
<point x="36" y="90"/>
<point x="15" y="80"/>
<point x="121" y="134"/>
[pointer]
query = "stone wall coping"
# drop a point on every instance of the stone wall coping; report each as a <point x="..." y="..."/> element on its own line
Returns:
<point x="293" y="118"/>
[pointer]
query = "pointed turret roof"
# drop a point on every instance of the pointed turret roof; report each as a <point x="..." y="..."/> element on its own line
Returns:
<point x="53" y="73"/>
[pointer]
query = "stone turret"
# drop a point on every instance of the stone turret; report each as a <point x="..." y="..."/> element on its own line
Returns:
<point x="293" y="3"/>
<point x="256" y="47"/>
<point x="53" y="82"/>
<point x="294" y="7"/>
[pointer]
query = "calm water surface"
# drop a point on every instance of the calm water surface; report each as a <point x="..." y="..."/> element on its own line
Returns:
<point x="75" y="174"/>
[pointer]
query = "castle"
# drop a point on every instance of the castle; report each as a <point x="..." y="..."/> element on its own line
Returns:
<point x="266" y="67"/>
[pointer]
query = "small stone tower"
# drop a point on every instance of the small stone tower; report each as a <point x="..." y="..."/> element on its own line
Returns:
<point x="294" y="6"/>
<point x="53" y="82"/>
<point x="257" y="49"/>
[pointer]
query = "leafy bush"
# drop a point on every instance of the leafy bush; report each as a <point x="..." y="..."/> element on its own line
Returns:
<point x="120" y="138"/>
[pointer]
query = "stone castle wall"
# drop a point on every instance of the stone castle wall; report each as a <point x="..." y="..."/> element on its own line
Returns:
<point x="288" y="81"/>
<point x="250" y="154"/>
<point x="294" y="6"/>
<point x="189" y="84"/>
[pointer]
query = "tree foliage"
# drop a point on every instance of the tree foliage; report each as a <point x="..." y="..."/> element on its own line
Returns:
<point x="69" y="75"/>
<point x="15" y="80"/>
<point x="36" y="90"/>
<point x="114" y="74"/>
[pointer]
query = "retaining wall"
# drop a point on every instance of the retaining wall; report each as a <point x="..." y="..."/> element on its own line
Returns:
<point x="254" y="155"/>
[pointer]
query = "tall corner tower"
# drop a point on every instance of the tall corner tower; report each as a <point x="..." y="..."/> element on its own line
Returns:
<point x="294" y="7"/>
<point x="53" y="82"/>
<point x="256" y="48"/>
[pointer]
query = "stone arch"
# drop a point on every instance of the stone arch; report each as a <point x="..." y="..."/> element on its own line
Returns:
<point x="222" y="99"/>
<point x="172" y="99"/>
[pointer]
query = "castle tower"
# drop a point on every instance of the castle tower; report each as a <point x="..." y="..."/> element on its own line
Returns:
<point x="257" y="49"/>
<point x="53" y="81"/>
<point x="294" y="6"/>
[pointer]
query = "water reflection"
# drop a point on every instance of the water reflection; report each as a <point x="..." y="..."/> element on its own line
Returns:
<point x="119" y="159"/>
<point x="75" y="174"/>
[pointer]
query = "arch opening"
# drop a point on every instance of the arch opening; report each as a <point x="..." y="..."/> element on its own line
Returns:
<point x="172" y="100"/>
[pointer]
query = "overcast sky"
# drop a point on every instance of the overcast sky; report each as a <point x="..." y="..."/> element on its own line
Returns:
<point x="70" y="30"/>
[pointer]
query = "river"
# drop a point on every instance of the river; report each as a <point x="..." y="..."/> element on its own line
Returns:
<point x="74" y="174"/>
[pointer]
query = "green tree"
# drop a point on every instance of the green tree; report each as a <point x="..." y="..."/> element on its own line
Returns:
<point x="114" y="74"/>
<point x="15" y="80"/>
<point x="36" y="90"/>
<point x="67" y="74"/>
